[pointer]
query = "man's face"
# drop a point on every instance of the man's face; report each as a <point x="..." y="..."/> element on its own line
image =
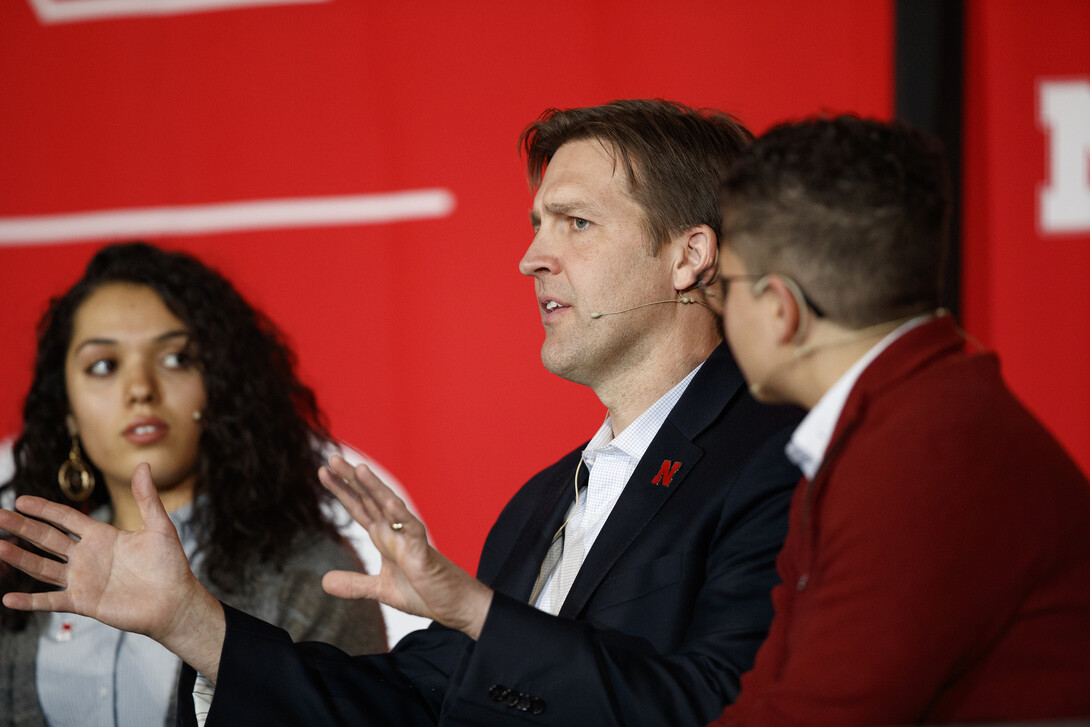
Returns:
<point x="590" y="253"/>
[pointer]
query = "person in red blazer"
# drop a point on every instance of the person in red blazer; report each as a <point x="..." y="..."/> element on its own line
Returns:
<point x="937" y="566"/>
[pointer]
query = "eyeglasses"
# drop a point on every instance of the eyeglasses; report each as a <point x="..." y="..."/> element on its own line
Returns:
<point x="715" y="292"/>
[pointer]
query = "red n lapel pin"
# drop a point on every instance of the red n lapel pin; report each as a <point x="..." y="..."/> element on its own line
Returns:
<point x="666" y="473"/>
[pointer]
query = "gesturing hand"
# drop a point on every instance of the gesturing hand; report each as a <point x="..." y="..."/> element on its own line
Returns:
<point x="135" y="581"/>
<point x="415" y="577"/>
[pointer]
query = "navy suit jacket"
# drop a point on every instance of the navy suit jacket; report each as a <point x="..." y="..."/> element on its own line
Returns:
<point x="665" y="615"/>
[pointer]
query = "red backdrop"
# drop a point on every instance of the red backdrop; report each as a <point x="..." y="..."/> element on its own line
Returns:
<point x="1026" y="262"/>
<point x="419" y="336"/>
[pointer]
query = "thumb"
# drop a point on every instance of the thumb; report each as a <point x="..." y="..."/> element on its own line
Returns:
<point x="147" y="499"/>
<point x="350" y="585"/>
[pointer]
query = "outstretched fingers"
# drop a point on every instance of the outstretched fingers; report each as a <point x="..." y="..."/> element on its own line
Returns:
<point x="44" y="535"/>
<point x="35" y="566"/>
<point x="345" y="489"/>
<point x="48" y="601"/>
<point x="400" y="538"/>
<point x="365" y="496"/>
<point x="62" y="516"/>
<point x="415" y="577"/>
<point x="389" y="508"/>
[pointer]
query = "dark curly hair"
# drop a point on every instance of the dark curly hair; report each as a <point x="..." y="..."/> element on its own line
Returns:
<point x="262" y="437"/>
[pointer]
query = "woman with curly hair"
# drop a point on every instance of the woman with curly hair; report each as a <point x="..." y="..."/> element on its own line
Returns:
<point x="153" y="357"/>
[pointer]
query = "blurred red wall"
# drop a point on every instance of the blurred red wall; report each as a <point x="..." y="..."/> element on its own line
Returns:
<point x="1026" y="264"/>
<point x="419" y="336"/>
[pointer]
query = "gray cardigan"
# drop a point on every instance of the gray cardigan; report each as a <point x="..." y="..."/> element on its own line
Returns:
<point x="292" y="599"/>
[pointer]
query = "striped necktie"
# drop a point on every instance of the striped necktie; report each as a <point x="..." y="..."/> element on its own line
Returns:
<point x="565" y="552"/>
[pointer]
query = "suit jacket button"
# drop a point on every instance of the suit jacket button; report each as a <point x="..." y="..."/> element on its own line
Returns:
<point x="537" y="705"/>
<point x="524" y="703"/>
<point x="511" y="697"/>
<point x="497" y="692"/>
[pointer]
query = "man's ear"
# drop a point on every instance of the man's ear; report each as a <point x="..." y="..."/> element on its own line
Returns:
<point x="787" y="302"/>
<point x="697" y="257"/>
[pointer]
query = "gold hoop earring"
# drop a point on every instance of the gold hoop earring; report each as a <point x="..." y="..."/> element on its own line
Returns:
<point x="74" y="476"/>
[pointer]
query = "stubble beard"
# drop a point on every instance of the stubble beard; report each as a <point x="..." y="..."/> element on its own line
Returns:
<point x="590" y="357"/>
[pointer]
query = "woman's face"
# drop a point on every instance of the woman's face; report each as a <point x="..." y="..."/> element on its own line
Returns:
<point x="133" y="386"/>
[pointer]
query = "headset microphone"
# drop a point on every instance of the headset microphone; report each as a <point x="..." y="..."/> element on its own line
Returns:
<point x="808" y="349"/>
<point x="683" y="299"/>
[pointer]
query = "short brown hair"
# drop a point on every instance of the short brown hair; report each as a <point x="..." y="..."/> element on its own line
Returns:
<point x="854" y="210"/>
<point x="675" y="158"/>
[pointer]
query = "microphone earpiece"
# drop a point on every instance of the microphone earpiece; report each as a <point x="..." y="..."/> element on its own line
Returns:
<point x="852" y="336"/>
<point x="683" y="299"/>
<point x="884" y="328"/>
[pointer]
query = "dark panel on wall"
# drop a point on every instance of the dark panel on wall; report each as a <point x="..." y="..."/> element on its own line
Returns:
<point x="928" y="92"/>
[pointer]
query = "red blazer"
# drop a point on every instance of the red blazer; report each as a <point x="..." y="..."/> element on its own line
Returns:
<point x="938" y="567"/>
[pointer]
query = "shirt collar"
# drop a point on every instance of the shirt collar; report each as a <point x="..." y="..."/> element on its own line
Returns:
<point x="636" y="437"/>
<point x="811" y="438"/>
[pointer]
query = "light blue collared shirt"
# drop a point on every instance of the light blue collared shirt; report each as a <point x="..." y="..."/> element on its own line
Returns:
<point x="92" y="675"/>
<point x="611" y="460"/>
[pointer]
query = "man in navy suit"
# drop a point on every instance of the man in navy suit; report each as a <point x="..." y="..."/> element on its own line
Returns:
<point x="626" y="584"/>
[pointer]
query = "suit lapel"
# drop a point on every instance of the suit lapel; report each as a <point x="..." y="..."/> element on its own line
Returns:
<point x="635" y="509"/>
<point x="914" y="350"/>
<point x="908" y="354"/>
<point x="518" y="574"/>
<point x="717" y="382"/>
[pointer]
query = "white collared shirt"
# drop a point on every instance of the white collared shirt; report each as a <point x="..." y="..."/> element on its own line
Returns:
<point x="811" y="438"/>
<point x="611" y="461"/>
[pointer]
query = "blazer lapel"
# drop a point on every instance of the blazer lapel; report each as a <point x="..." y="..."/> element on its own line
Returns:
<point x="641" y="500"/>
<point x="914" y="350"/>
<point x="717" y="382"/>
<point x="518" y="574"/>
<point x="909" y="353"/>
